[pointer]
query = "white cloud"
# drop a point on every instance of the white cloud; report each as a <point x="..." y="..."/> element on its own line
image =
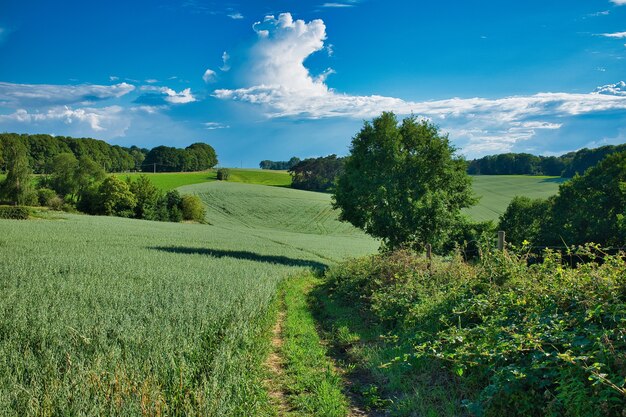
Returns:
<point x="152" y="80"/>
<point x="225" y="62"/>
<point x="214" y="125"/>
<point x="25" y="95"/>
<point x="615" y="35"/>
<point x="209" y="76"/>
<point x="235" y="16"/>
<point x="171" y="96"/>
<point x="335" y="5"/>
<point x="602" y="13"/>
<point x="280" y="83"/>
<point x="113" y="78"/>
<point x="617" y="89"/>
<point x="98" y="119"/>
<point x="618" y="2"/>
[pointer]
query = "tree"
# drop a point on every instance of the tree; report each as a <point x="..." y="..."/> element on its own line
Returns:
<point x="17" y="185"/>
<point x="63" y="169"/>
<point x="316" y="174"/>
<point x="592" y="207"/>
<point x="525" y="219"/>
<point x="403" y="183"/>
<point x="148" y="198"/>
<point x="115" y="198"/>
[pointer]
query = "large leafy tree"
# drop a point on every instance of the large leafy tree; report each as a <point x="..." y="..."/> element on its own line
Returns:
<point x="403" y="183"/>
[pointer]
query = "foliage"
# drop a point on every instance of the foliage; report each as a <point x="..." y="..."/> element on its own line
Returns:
<point x="44" y="195"/>
<point x="403" y="183"/>
<point x="316" y="174"/>
<point x="148" y="198"/>
<point x="17" y="186"/>
<point x="511" y="339"/>
<point x="192" y="208"/>
<point x="223" y="174"/>
<point x="196" y="157"/>
<point x="524" y="220"/>
<point x="115" y="198"/>
<point x="14" y="212"/>
<point x="589" y="208"/>
<point x="566" y="165"/>
<point x="279" y="165"/>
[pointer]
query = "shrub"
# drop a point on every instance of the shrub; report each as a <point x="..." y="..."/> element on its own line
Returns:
<point x="115" y="198"/>
<point x="519" y="340"/>
<point x="14" y="212"/>
<point x="174" y="204"/>
<point x="57" y="203"/>
<point x="192" y="208"/>
<point x="223" y="174"/>
<point x="44" y="195"/>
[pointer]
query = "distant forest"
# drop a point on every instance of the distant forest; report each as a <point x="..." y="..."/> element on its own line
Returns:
<point x="566" y="165"/>
<point x="112" y="158"/>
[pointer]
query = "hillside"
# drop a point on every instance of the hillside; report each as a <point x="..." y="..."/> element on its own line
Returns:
<point x="161" y="315"/>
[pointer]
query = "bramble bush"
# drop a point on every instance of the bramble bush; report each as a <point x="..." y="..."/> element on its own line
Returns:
<point x="520" y="339"/>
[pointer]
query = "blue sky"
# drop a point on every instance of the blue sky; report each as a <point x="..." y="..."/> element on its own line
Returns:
<point x="273" y="79"/>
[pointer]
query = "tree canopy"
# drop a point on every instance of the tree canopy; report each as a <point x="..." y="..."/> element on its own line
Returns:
<point x="403" y="183"/>
<point x="316" y="174"/>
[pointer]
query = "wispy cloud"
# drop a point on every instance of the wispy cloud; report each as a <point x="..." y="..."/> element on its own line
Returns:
<point x="225" y="62"/>
<point x="27" y="95"/>
<point x="618" y="2"/>
<point x="214" y="125"/>
<point x="235" y="16"/>
<point x="280" y="83"/>
<point x="166" y="94"/>
<point x="616" y="35"/>
<point x="98" y="119"/>
<point x="337" y="5"/>
<point x="601" y="13"/>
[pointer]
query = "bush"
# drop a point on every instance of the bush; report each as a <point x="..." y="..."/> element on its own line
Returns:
<point x="192" y="208"/>
<point x="174" y="205"/>
<point x="14" y="212"/>
<point x="517" y="340"/>
<point x="57" y="203"/>
<point x="44" y="195"/>
<point x="223" y="174"/>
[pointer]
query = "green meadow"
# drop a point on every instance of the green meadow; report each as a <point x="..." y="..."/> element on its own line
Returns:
<point x="112" y="316"/>
<point x="496" y="191"/>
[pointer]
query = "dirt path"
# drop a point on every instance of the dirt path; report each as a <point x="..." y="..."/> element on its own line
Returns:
<point x="275" y="365"/>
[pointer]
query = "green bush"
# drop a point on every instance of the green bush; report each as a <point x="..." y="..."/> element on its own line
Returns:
<point x="192" y="208"/>
<point x="14" y="212"/>
<point x="223" y="174"/>
<point x="44" y="195"/>
<point x="519" y="340"/>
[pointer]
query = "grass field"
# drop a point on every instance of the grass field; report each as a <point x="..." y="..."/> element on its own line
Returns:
<point x="496" y="191"/>
<point x="111" y="316"/>
<point x="170" y="180"/>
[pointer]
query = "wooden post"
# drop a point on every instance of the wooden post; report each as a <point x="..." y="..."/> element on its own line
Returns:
<point x="429" y="254"/>
<point x="501" y="240"/>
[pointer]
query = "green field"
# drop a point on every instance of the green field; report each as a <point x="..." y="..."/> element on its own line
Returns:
<point x="170" y="180"/>
<point x="112" y="316"/>
<point x="496" y="191"/>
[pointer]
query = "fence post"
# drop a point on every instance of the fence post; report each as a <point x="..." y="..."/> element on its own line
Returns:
<point x="429" y="254"/>
<point x="501" y="240"/>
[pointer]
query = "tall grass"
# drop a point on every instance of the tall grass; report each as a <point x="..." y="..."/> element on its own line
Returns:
<point x="111" y="316"/>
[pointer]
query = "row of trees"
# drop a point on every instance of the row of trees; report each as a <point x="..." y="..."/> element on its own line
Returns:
<point x="42" y="149"/>
<point x="316" y="174"/>
<point x="279" y="165"/>
<point x="566" y="165"/>
<point x="195" y="157"/>
<point x="81" y="183"/>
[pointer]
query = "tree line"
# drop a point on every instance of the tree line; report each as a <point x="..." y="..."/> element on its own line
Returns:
<point x="72" y="183"/>
<point x="42" y="149"/>
<point x="279" y="165"/>
<point x="566" y="165"/>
